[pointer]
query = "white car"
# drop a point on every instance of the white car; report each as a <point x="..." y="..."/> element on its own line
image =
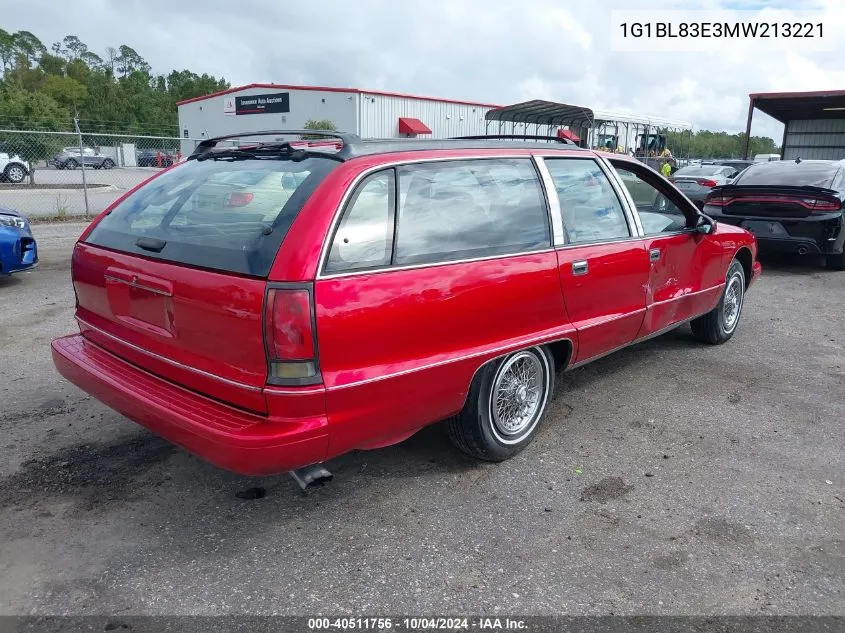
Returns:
<point x="12" y="167"/>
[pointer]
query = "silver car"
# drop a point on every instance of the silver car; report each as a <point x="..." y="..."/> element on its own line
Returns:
<point x="696" y="181"/>
<point x="72" y="157"/>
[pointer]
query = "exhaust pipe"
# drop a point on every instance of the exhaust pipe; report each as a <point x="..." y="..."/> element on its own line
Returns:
<point x="803" y="250"/>
<point x="311" y="477"/>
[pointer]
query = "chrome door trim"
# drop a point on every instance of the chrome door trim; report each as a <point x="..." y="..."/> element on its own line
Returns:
<point x="642" y="339"/>
<point x="496" y="351"/>
<point x="548" y="184"/>
<point x="718" y="286"/>
<point x="388" y="268"/>
<point x="166" y="360"/>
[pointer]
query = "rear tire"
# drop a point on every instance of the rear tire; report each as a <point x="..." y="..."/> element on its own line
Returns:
<point x="505" y="404"/>
<point x="836" y="262"/>
<point x="108" y="163"/>
<point x="719" y="325"/>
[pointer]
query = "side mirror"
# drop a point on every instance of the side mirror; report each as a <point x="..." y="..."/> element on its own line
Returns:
<point x="705" y="225"/>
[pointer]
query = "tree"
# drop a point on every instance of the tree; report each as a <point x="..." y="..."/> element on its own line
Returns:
<point x="129" y="61"/>
<point x="29" y="46"/>
<point x="111" y="60"/>
<point x="7" y="49"/>
<point x="52" y="64"/>
<point x="318" y="124"/>
<point x="92" y="60"/>
<point x="31" y="111"/>
<point x="75" y="47"/>
<point x="65" y="91"/>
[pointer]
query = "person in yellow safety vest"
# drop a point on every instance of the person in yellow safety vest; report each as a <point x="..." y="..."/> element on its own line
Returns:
<point x="666" y="168"/>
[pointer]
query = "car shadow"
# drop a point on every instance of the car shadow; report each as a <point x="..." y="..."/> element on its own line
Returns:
<point x="8" y="281"/>
<point x="791" y="263"/>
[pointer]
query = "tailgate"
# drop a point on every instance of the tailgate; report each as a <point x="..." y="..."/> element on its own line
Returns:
<point x="200" y="329"/>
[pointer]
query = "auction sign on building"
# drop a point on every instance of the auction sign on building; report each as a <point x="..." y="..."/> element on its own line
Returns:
<point x="258" y="104"/>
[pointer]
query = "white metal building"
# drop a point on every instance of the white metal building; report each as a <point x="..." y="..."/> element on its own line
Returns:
<point x="377" y="114"/>
<point x="370" y="114"/>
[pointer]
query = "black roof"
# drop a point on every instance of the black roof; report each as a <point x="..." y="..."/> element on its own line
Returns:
<point x="543" y="113"/>
<point x="790" y="106"/>
<point x="353" y="145"/>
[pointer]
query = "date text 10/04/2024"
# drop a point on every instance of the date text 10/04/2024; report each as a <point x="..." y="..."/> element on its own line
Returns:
<point x="718" y="30"/>
<point x="416" y="624"/>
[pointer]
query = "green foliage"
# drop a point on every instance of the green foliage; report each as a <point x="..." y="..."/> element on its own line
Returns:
<point x="44" y="90"/>
<point x="40" y="112"/>
<point x="318" y="124"/>
<point x="707" y="144"/>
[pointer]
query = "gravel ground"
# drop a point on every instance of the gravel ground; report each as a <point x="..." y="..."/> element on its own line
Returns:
<point x="670" y="478"/>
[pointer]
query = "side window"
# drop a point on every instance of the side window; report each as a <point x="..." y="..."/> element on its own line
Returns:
<point x="658" y="214"/>
<point x="364" y="237"/>
<point x="474" y="208"/>
<point x="590" y="207"/>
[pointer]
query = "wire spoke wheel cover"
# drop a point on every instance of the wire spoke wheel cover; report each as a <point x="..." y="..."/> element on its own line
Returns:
<point x="732" y="302"/>
<point x="518" y="396"/>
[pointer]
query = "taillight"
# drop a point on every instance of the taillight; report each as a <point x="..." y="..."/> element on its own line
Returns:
<point x="238" y="199"/>
<point x="706" y="183"/>
<point x="824" y="206"/>
<point x="290" y="337"/>
<point x="716" y="200"/>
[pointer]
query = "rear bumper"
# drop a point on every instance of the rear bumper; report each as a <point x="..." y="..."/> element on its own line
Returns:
<point x="232" y="439"/>
<point x="822" y="235"/>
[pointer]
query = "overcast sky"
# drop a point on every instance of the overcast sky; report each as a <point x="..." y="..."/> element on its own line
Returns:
<point x="497" y="51"/>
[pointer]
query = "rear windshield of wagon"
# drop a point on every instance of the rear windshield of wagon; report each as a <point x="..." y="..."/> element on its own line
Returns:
<point x="223" y="214"/>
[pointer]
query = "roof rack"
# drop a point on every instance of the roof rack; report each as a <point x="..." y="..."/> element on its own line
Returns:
<point x="211" y="143"/>
<point x="522" y="137"/>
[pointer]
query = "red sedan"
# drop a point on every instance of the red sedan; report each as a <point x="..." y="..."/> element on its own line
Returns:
<point x="271" y="306"/>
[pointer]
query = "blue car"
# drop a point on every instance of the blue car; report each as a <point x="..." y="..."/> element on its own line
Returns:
<point x="17" y="246"/>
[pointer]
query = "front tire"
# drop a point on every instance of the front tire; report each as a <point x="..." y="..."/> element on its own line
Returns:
<point x="108" y="163"/>
<point x="15" y="174"/>
<point x="836" y="262"/>
<point x="719" y="325"/>
<point x="71" y="164"/>
<point x="506" y="401"/>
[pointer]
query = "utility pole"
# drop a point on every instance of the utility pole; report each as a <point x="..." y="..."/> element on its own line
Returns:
<point x="82" y="163"/>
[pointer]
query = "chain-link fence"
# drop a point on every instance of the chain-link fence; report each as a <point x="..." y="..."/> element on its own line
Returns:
<point x="62" y="174"/>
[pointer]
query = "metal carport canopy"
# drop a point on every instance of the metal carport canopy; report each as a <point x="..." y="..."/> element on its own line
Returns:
<point x="541" y="112"/>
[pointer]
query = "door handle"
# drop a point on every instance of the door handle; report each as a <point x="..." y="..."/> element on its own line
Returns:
<point x="654" y="254"/>
<point x="580" y="267"/>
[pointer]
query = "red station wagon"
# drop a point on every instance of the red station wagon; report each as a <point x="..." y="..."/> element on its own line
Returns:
<point x="270" y="306"/>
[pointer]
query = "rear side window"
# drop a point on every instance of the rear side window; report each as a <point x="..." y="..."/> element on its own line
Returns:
<point x="364" y="238"/>
<point x="590" y="207"/>
<point x="466" y="209"/>
<point x="804" y="174"/>
<point x="222" y="214"/>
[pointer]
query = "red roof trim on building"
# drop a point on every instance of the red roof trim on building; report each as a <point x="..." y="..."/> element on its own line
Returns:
<point x="330" y="89"/>
<point x="408" y="125"/>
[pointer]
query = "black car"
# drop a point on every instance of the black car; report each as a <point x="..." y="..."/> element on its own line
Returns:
<point x="793" y="206"/>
